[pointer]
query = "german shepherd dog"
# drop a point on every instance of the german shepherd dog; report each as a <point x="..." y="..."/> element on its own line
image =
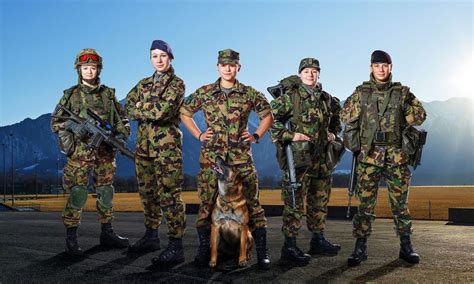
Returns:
<point x="230" y="216"/>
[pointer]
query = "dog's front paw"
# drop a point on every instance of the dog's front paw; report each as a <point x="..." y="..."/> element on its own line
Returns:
<point x="212" y="263"/>
<point x="242" y="262"/>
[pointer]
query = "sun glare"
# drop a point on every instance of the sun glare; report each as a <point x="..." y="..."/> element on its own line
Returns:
<point x="462" y="76"/>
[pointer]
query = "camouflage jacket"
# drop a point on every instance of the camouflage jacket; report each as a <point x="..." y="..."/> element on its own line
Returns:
<point x="319" y="114"/>
<point x="411" y="113"/>
<point x="157" y="111"/>
<point x="227" y="116"/>
<point x="102" y="101"/>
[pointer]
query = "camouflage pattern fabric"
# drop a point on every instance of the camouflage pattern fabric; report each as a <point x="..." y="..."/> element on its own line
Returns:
<point x="160" y="184"/>
<point x="76" y="174"/>
<point x="154" y="102"/>
<point x="316" y="116"/>
<point x="413" y="113"/>
<point x="101" y="163"/>
<point x="102" y="101"/>
<point x="388" y="161"/>
<point x="207" y="191"/>
<point x="158" y="131"/>
<point x="319" y="115"/>
<point x="227" y="116"/>
<point x="398" y="181"/>
<point x="228" y="56"/>
<point x="308" y="62"/>
<point x="316" y="191"/>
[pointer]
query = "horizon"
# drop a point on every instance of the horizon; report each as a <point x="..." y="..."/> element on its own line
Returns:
<point x="430" y="43"/>
<point x="25" y="118"/>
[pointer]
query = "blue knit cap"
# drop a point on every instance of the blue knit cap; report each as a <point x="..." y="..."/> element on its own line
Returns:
<point x="163" y="46"/>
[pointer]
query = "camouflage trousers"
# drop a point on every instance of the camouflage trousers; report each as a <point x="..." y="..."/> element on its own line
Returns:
<point x="160" y="181"/>
<point x="76" y="173"/>
<point x="398" y="181"/>
<point x="207" y="191"/>
<point x="316" y="189"/>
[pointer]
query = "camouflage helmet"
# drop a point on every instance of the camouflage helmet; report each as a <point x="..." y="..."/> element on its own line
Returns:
<point x="88" y="56"/>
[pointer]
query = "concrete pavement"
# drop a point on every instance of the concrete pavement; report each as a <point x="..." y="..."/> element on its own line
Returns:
<point x="32" y="245"/>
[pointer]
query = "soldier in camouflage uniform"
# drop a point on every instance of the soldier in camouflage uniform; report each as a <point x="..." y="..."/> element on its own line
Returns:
<point x="89" y="94"/>
<point x="378" y="111"/>
<point x="314" y="116"/>
<point x="227" y="104"/>
<point x="154" y="102"/>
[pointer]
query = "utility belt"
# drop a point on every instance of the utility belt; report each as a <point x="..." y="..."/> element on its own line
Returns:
<point x="383" y="139"/>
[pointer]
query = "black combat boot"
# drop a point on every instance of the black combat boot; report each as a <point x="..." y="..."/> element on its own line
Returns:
<point x="406" y="251"/>
<point x="172" y="255"/>
<point x="290" y="253"/>
<point x="319" y="245"/>
<point x="108" y="238"/>
<point x="72" y="247"/>
<point x="204" y="251"/>
<point x="359" y="254"/>
<point x="260" y="238"/>
<point x="148" y="243"/>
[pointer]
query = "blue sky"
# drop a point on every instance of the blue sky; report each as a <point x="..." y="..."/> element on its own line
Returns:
<point x="431" y="44"/>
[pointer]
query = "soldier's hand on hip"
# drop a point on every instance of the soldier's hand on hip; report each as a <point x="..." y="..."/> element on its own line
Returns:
<point x="300" y="137"/>
<point x="331" y="137"/>
<point x="206" y="136"/>
<point x="247" y="137"/>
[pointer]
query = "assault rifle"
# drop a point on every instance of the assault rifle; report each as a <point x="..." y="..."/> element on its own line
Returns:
<point x="419" y="149"/>
<point x="277" y="91"/>
<point x="99" y="130"/>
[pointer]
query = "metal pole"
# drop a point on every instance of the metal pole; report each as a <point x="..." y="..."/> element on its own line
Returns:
<point x="4" y="175"/>
<point x="49" y="182"/>
<point x="429" y="209"/>
<point x="36" y="174"/>
<point x="61" y="180"/>
<point x="13" y="173"/>
<point x="57" y="177"/>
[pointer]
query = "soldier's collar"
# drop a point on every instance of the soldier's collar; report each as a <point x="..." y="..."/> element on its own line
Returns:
<point x="163" y="76"/>
<point x="91" y="89"/>
<point x="306" y="90"/>
<point x="237" y="88"/>
<point x="380" y="86"/>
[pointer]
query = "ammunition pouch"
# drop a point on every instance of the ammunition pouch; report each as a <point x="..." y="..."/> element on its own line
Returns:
<point x="335" y="150"/>
<point x="351" y="136"/>
<point x="302" y="153"/>
<point x="66" y="142"/>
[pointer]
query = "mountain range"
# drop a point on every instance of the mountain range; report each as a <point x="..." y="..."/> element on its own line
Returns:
<point x="448" y="157"/>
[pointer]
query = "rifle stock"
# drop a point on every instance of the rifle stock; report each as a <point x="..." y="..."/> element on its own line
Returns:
<point x="352" y="183"/>
<point x="276" y="91"/>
